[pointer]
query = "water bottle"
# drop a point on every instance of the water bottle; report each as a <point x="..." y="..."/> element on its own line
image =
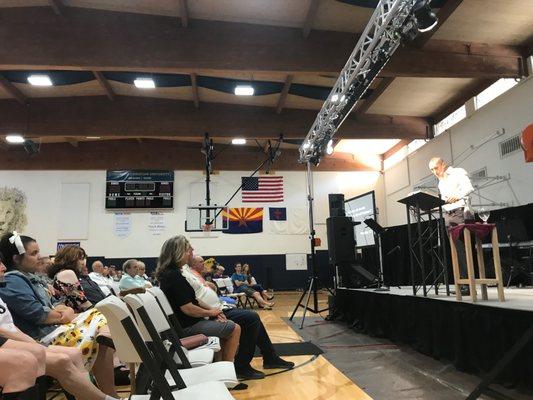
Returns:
<point x="468" y="213"/>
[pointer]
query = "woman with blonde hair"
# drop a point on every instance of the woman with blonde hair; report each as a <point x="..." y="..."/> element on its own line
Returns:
<point x="191" y="313"/>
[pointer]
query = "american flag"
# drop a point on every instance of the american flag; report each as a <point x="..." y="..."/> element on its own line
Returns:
<point x="263" y="189"/>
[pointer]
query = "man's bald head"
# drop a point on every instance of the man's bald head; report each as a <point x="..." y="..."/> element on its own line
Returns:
<point x="437" y="166"/>
<point x="198" y="263"/>
<point x="97" y="267"/>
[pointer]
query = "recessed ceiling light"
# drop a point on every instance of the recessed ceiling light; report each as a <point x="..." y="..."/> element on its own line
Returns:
<point x="238" y="141"/>
<point x="144" y="83"/>
<point x="244" y="90"/>
<point x="92" y="137"/>
<point x="40" y="80"/>
<point x="15" y="139"/>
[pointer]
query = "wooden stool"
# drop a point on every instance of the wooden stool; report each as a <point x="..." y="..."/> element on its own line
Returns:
<point x="471" y="280"/>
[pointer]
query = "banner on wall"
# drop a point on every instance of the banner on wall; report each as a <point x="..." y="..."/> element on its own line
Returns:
<point x="122" y="224"/>
<point x="244" y="220"/>
<point x="288" y="221"/>
<point x="60" y="245"/>
<point x="157" y="224"/>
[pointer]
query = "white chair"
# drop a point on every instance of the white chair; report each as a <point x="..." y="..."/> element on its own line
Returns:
<point x="213" y="341"/>
<point x="130" y="348"/>
<point x="154" y="328"/>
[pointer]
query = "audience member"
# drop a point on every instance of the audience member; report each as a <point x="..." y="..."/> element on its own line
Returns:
<point x="113" y="273"/>
<point x="131" y="278"/>
<point x="34" y="360"/>
<point x="175" y="253"/>
<point x="34" y="313"/>
<point x="92" y="291"/>
<point x="219" y="272"/>
<point x="65" y="272"/>
<point x="253" y="332"/>
<point x="240" y="285"/>
<point x="246" y="270"/>
<point x="98" y="276"/>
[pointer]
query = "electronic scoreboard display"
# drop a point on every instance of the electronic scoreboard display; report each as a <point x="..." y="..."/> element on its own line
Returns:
<point x="135" y="189"/>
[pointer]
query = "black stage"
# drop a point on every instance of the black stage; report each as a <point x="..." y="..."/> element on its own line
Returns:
<point x="474" y="337"/>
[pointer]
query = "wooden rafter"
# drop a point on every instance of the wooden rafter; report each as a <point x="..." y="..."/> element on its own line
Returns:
<point x="396" y="148"/>
<point x="139" y="116"/>
<point x="184" y="13"/>
<point x="231" y="47"/>
<point x="57" y="6"/>
<point x="284" y="93"/>
<point x="194" y="87"/>
<point x="12" y="90"/>
<point x="171" y="154"/>
<point x="104" y="83"/>
<point x="310" y="17"/>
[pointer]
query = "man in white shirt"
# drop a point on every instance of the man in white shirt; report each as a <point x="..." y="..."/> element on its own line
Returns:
<point x="203" y="292"/>
<point x="454" y="187"/>
<point x="97" y="275"/>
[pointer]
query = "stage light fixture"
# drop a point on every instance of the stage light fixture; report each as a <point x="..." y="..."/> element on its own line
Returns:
<point x="14" y="139"/>
<point x="144" y="83"/>
<point x="244" y="90"/>
<point x="425" y="17"/>
<point x="329" y="147"/>
<point x="31" y="147"/>
<point x="238" y="141"/>
<point x="40" y="80"/>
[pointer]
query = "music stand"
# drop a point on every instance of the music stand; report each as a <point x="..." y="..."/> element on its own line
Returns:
<point x="422" y="243"/>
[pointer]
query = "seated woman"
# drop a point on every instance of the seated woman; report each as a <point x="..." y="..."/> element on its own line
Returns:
<point x="65" y="273"/>
<point x="131" y="280"/>
<point x="34" y="313"/>
<point x="253" y="283"/>
<point x="193" y="316"/>
<point x="240" y="285"/>
<point x="27" y="360"/>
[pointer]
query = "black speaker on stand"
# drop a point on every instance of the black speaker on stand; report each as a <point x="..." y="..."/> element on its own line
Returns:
<point x="336" y="205"/>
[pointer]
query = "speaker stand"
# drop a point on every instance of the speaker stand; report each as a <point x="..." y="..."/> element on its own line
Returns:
<point x="313" y="279"/>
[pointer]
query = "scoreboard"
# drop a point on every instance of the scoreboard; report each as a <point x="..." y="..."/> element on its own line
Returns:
<point x="136" y="189"/>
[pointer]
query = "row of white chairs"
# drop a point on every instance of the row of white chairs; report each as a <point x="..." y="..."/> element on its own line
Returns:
<point x="150" y="337"/>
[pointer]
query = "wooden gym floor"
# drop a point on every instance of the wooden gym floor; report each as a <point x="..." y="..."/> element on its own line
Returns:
<point x="311" y="379"/>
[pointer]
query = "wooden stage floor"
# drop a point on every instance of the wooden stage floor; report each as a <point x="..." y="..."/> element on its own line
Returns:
<point x="311" y="379"/>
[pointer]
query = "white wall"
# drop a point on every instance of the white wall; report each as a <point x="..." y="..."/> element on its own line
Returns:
<point x="42" y="189"/>
<point x="511" y="111"/>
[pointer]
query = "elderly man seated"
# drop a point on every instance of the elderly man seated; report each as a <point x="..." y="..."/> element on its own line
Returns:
<point x="98" y="275"/>
<point x="253" y="332"/>
<point x="131" y="278"/>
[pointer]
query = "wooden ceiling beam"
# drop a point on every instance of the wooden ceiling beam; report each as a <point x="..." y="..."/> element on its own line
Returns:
<point x="310" y="17"/>
<point x="12" y="90"/>
<point x="396" y="148"/>
<point x="72" y="141"/>
<point x="104" y="83"/>
<point x="159" y="47"/>
<point x="194" y="87"/>
<point x="141" y="117"/>
<point x="57" y="6"/>
<point x="284" y="93"/>
<point x="184" y="13"/>
<point x="174" y="155"/>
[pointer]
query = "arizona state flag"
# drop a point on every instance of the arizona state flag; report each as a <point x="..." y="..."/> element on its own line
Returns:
<point x="243" y="220"/>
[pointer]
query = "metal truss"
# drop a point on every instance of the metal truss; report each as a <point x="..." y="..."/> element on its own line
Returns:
<point x="391" y="21"/>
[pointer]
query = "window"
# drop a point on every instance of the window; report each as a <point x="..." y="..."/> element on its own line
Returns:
<point x="415" y="145"/>
<point x="395" y="158"/>
<point x="450" y="120"/>
<point x="496" y="89"/>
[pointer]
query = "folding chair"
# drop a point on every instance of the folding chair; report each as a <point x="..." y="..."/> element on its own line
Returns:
<point x="226" y="287"/>
<point x="213" y="341"/>
<point x="131" y="348"/>
<point x="154" y="328"/>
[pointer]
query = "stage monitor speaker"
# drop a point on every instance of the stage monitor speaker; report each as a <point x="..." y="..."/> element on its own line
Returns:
<point x="336" y="205"/>
<point x="341" y="240"/>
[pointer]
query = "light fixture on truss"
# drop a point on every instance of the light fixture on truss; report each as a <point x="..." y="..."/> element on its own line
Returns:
<point x="392" y="22"/>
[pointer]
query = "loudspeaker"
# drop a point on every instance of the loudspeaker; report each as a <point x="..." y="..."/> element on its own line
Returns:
<point x="341" y="240"/>
<point x="336" y="205"/>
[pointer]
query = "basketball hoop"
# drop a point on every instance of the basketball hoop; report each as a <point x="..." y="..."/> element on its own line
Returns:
<point x="206" y="228"/>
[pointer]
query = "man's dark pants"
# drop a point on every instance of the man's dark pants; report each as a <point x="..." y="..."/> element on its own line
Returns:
<point x="253" y="333"/>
